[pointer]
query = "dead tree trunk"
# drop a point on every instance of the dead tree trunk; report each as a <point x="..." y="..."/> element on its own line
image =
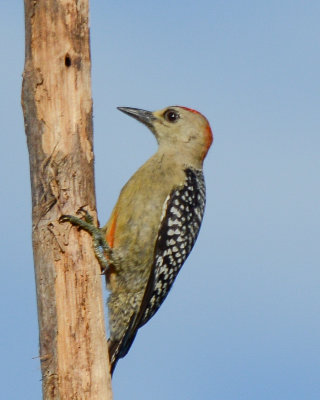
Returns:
<point x="57" y="106"/>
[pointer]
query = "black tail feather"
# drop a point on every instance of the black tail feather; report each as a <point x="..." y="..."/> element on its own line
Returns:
<point x="119" y="348"/>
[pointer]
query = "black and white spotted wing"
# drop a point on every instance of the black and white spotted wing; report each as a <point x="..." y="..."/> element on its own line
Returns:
<point x="179" y="229"/>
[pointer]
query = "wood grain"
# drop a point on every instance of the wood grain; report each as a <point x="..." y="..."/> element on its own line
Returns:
<point x="57" y="106"/>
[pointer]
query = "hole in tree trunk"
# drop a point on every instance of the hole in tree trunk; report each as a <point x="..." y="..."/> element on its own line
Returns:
<point x="67" y="60"/>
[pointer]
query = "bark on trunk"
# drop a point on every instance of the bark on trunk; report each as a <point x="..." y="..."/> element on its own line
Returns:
<point x="57" y="106"/>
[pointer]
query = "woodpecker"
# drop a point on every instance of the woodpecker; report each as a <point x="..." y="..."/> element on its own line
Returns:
<point x="154" y="224"/>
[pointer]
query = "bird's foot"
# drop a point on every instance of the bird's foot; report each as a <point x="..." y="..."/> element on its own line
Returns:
<point x="101" y="248"/>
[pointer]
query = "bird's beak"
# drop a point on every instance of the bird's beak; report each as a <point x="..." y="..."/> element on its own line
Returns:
<point x="146" y="117"/>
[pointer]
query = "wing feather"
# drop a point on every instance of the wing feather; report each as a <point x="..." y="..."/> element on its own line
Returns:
<point x="179" y="227"/>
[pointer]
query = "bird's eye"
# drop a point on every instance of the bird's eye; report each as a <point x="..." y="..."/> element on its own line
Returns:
<point x="171" y="116"/>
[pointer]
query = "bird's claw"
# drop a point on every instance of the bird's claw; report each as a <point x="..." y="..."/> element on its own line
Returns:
<point x="100" y="246"/>
<point x="87" y="217"/>
<point x="65" y="218"/>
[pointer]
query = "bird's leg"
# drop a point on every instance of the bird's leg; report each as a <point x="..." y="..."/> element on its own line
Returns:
<point x="101" y="248"/>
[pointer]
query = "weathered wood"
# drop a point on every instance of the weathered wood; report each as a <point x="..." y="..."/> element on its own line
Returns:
<point x="57" y="106"/>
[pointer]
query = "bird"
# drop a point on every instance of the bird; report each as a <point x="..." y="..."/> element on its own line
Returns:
<point x="154" y="224"/>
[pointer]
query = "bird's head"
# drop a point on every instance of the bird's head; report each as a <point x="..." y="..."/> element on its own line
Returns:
<point x="178" y="130"/>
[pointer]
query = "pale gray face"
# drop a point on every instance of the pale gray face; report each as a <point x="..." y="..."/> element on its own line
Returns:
<point x="176" y="128"/>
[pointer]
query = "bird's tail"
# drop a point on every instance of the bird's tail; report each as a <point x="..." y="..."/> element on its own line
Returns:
<point x="119" y="348"/>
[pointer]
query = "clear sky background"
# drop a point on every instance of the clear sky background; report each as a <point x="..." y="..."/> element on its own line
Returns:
<point x="242" y="320"/>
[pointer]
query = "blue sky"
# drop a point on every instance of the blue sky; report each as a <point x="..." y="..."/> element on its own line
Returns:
<point x="242" y="321"/>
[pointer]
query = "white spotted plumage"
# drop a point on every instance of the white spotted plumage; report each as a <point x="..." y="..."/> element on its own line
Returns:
<point x="179" y="228"/>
